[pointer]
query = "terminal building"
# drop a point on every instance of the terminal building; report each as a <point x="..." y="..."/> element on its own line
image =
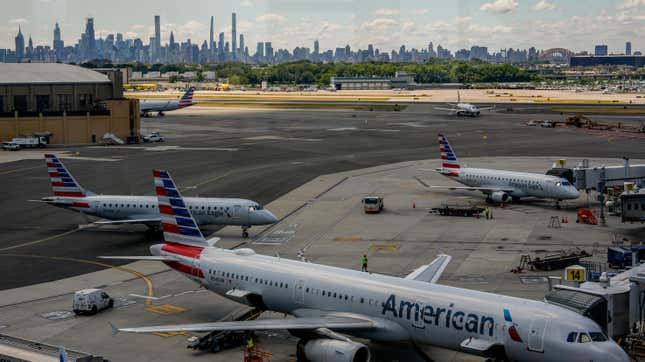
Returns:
<point x="76" y="105"/>
<point x="595" y="60"/>
<point x="401" y="79"/>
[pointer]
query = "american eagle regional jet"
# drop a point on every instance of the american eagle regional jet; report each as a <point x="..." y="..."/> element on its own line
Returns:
<point x="147" y="106"/>
<point x="502" y="186"/>
<point x="123" y="209"/>
<point x="331" y="305"/>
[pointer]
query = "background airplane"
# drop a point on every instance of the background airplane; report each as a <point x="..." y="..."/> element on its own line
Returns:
<point x="331" y="304"/>
<point x="118" y="209"/>
<point x="463" y="109"/>
<point x="146" y="106"/>
<point x="502" y="186"/>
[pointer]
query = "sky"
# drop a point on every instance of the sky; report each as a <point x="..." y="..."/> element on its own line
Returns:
<point x="573" y="24"/>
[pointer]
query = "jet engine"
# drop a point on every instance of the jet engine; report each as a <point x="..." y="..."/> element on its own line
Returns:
<point x="500" y="196"/>
<point x="332" y="350"/>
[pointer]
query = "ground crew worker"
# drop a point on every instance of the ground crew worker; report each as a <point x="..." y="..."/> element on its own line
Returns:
<point x="487" y="213"/>
<point x="364" y="263"/>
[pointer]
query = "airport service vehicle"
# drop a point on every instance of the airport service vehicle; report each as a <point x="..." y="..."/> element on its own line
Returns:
<point x="154" y="137"/>
<point x="331" y="305"/>
<point x="121" y="209"/>
<point x="30" y="141"/>
<point x="547" y="124"/>
<point x="532" y="123"/>
<point x="463" y="109"/>
<point x="160" y="106"/>
<point x="10" y="146"/>
<point x="372" y="204"/>
<point x="91" y="301"/>
<point x="502" y="186"/>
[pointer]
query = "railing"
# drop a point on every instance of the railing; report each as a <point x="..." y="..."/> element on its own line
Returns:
<point x="102" y="112"/>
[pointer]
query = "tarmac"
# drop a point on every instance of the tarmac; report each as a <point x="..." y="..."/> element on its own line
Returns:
<point x="311" y="168"/>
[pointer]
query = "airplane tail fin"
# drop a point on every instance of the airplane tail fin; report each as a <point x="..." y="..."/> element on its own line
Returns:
<point x="63" y="183"/>
<point x="449" y="161"/>
<point x="187" y="98"/>
<point x="177" y="223"/>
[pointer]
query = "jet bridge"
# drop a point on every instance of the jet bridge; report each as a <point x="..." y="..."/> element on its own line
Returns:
<point x="598" y="178"/>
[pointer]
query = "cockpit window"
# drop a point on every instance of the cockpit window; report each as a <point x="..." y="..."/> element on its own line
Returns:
<point x="572" y="337"/>
<point x="598" y="337"/>
<point x="255" y="207"/>
<point x="566" y="183"/>
<point x="584" y="338"/>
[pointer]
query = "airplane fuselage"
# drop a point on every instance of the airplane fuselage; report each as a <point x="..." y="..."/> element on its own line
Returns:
<point x="206" y="211"/>
<point x="467" y="109"/>
<point x="519" y="184"/>
<point x="402" y="309"/>
<point x="159" y="106"/>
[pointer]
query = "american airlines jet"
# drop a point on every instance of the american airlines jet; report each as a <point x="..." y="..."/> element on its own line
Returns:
<point x="502" y="186"/>
<point x="330" y="305"/>
<point x="463" y="109"/>
<point x="118" y="209"/>
<point x="146" y="106"/>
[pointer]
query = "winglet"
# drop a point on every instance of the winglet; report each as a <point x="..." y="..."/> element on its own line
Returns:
<point x="115" y="330"/>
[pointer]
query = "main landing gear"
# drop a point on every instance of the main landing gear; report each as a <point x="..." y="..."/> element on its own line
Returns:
<point x="557" y="204"/>
<point x="245" y="232"/>
<point x="161" y="114"/>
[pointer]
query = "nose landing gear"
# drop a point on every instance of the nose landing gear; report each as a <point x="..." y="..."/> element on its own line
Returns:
<point x="245" y="232"/>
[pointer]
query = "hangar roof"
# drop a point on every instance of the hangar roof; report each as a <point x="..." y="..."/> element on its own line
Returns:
<point x="48" y="73"/>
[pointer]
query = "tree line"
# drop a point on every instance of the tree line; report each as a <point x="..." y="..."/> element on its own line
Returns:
<point x="306" y="72"/>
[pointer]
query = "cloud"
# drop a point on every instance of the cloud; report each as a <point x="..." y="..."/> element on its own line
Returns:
<point x="463" y="19"/>
<point x="247" y="4"/>
<point x="378" y="25"/>
<point x="387" y="12"/>
<point x="18" y="21"/>
<point x="272" y="18"/>
<point x="420" y="11"/>
<point x="499" y="6"/>
<point x="544" y="5"/>
<point x="631" y="4"/>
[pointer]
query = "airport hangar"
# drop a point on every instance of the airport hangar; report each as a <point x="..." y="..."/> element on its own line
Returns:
<point x="76" y="105"/>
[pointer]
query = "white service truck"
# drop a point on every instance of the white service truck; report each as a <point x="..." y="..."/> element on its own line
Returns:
<point x="91" y="301"/>
<point x="30" y="141"/>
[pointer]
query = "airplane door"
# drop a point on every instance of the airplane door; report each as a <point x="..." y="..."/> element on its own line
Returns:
<point x="299" y="292"/>
<point x="236" y="213"/>
<point x="536" y="335"/>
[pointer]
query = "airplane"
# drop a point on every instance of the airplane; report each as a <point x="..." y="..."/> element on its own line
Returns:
<point x="119" y="209"/>
<point x="463" y="109"/>
<point x="502" y="186"/>
<point x="146" y="106"/>
<point x="330" y="305"/>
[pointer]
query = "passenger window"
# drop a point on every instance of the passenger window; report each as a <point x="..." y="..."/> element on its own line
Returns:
<point x="572" y="337"/>
<point x="584" y="338"/>
<point x="362" y="300"/>
<point x="334" y="295"/>
<point x="323" y="293"/>
<point x="307" y="290"/>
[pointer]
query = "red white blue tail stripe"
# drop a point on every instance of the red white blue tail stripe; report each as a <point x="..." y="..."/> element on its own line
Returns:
<point x="449" y="160"/>
<point x="177" y="223"/>
<point x="187" y="98"/>
<point x="63" y="183"/>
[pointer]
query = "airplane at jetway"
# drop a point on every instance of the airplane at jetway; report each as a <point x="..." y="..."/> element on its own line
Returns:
<point x="502" y="186"/>
<point x="330" y="305"/>
<point x="121" y="209"/>
<point x="147" y="106"/>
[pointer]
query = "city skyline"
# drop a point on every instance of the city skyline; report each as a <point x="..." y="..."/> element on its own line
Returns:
<point x="385" y="24"/>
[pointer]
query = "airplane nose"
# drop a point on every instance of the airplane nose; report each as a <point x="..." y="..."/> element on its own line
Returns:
<point x="268" y="217"/>
<point x="616" y="354"/>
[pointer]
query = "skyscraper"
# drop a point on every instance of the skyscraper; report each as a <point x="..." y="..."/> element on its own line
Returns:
<point x="259" y="50"/>
<point x="241" y="44"/>
<point x="211" y="45"/>
<point x="30" y="48"/>
<point x="58" y="41"/>
<point x="268" y="50"/>
<point x="220" y="44"/>
<point x="233" y="34"/>
<point x="20" y="45"/>
<point x="157" y="45"/>
<point x="90" y="40"/>
<point x="316" y="47"/>
<point x="628" y="48"/>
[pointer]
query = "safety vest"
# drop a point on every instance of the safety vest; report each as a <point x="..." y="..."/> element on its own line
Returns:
<point x="364" y="260"/>
<point x="249" y="343"/>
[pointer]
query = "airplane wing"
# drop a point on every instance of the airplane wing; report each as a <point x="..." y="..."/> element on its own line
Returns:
<point x="431" y="272"/>
<point x="259" y="324"/>
<point x="143" y="257"/>
<point x="482" y="189"/>
<point x="129" y="221"/>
